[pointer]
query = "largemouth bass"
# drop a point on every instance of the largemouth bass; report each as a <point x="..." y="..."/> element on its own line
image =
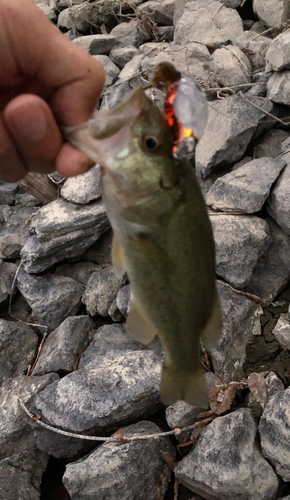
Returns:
<point x="162" y="238"/>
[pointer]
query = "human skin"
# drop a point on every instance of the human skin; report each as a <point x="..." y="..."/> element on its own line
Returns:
<point x="45" y="81"/>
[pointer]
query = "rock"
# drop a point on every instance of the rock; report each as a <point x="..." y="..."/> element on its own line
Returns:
<point x="52" y="298"/>
<point x="7" y="273"/>
<point x="272" y="272"/>
<point x="263" y="386"/>
<point x="271" y="143"/>
<point x="108" y="13"/>
<point x="101" y="251"/>
<point x="273" y="384"/>
<point x="108" y="339"/>
<point x="101" y="290"/>
<point x="231" y="66"/>
<point x="209" y="23"/>
<point x="119" y="91"/>
<point x="116" y="470"/>
<point x="123" y="299"/>
<point x="278" y="203"/>
<point x="166" y="33"/>
<point x="272" y="12"/>
<point x="240" y="241"/>
<point x="62" y="229"/>
<point x="96" y="44"/>
<point x="122" y="55"/>
<point x="180" y="415"/>
<point x="80" y="271"/>
<point x="278" y="88"/>
<point x="260" y="88"/>
<point x="26" y="200"/>
<point x="281" y="331"/>
<point x="48" y="11"/>
<point x="7" y="192"/>
<point x="131" y="68"/>
<point x="273" y="428"/>
<point x="16" y="428"/>
<point x="114" y="312"/>
<point x="160" y="13"/>
<point x="111" y="70"/>
<point x="278" y="54"/>
<point x="131" y="33"/>
<point x="76" y="17"/>
<point x="240" y="323"/>
<point x="64" y="346"/>
<point x="15" y="230"/>
<point x="18" y="345"/>
<point x="232" y="122"/>
<point x="83" y="188"/>
<point x="62" y="4"/>
<point x="245" y="190"/>
<point x="254" y="47"/>
<point x="21" y="474"/>
<point x="227" y="463"/>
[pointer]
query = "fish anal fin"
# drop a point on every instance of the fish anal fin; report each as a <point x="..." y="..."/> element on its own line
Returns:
<point x="213" y="329"/>
<point x="183" y="385"/>
<point x="118" y="258"/>
<point x="138" y="326"/>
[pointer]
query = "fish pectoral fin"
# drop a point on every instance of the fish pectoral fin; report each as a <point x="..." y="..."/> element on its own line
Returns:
<point x="183" y="385"/>
<point x="138" y="326"/>
<point x="118" y="258"/>
<point x="213" y="329"/>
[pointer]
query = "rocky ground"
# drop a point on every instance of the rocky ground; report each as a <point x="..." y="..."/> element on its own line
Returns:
<point x="63" y="346"/>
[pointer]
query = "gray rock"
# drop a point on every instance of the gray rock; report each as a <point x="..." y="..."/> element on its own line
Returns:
<point x="21" y="475"/>
<point x="123" y="299"/>
<point x="7" y="273"/>
<point x="166" y="33"/>
<point x="263" y="386"/>
<point x="278" y="203"/>
<point x="260" y="88"/>
<point x="119" y="91"/>
<point x="116" y="469"/>
<point x="131" y="68"/>
<point x="232" y="4"/>
<point x="96" y="44"/>
<point x="64" y="345"/>
<point x="52" y="298"/>
<point x="18" y="345"/>
<point x="48" y="11"/>
<point x="16" y="428"/>
<point x="272" y="272"/>
<point x="15" y="230"/>
<point x="62" y="4"/>
<point x="231" y="66"/>
<point x="131" y="33"/>
<point x="274" y="430"/>
<point x="114" y="312"/>
<point x="254" y="47"/>
<point x="122" y="55"/>
<point x="83" y="188"/>
<point x="80" y="271"/>
<point x="26" y="200"/>
<point x="209" y="23"/>
<point x="278" y="87"/>
<point x="160" y="13"/>
<point x="109" y="338"/>
<point x="111" y="70"/>
<point x="278" y="54"/>
<point x="7" y="192"/>
<point x="245" y="190"/>
<point x="271" y="143"/>
<point x="272" y="12"/>
<point x="273" y="384"/>
<point x="62" y="229"/>
<point x="101" y="290"/>
<point x="240" y="240"/>
<point x="227" y="463"/>
<point x="108" y="12"/>
<point x="75" y="17"/>
<point x="101" y="251"/>
<point x="240" y="323"/>
<point x="180" y="415"/>
<point x="281" y="331"/>
<point x="232" y="122"/>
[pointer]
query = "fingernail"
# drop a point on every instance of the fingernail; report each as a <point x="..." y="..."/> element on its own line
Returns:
<point x="33" y="128"/>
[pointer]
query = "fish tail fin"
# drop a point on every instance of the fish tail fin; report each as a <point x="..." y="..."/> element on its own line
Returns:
<point x="187" y="386"/>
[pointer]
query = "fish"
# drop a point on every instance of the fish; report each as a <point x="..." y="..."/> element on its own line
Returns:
<point x="162" y="238"/>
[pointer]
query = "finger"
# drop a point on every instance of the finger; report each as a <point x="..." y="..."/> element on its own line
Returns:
<point x="11" y="166"/>
<point x="31" y="124"/>
<point x="71" y="162"/>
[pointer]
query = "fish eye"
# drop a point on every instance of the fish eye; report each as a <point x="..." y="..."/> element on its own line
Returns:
<point x="151" y="143"/>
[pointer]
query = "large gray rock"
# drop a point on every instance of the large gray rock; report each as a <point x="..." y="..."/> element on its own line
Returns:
<point x="209" y="23"/>
<point x="75" y="17"/>
<point x="227" y="463"/>
<point x="15" y="231"/>
<point x="111" y="70"/>
<point x="278" y="87"/>
<point x="17" y="430"/>
<point x="122" y="55"/>
<point x="278" y="203"/>
<point x="101" y="251"/>
<point x="21" y="475"/>
<point x="245" y="190"/>
<point x="272" y="12"/>
<point x="255" y="48"/>
<point x="7" y="192"/>
<point x="7" y="273"/>
<point x="132" y="68"/>
<point x="231" y="124"/>
<point x="101" y="290"/>
<point x="52" y="298"/>
<point x="79" y="271"/>
<point x="83" y="188"/>
<point x="240" y="240"/>
<point x="231" y="66"/>
<point x="180" y="415"/>
<point x="274" y="433"/>
<point x="64" y="345"/>
<point x="278" y="54"/>
<point x="281" y="331"/>
<point x="160" y="13"/>
<point x="271" y="143"/>
<point x="18" y="345"/>
<point x="134" y="470"/>
<point x="96" y="44"/>
<point x="241" y="321"/>
<point x="132" y="33"/>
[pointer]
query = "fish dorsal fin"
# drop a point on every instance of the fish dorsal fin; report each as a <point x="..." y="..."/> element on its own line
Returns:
<point x="213" y="329"/>
<point x="118" y="258"/>
<point x="138" y="326"/>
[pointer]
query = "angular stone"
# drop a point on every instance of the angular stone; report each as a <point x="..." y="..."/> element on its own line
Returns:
<point x="260" y="89"/>
<point x="48" y="11"/>
<point x="115" y="471"/>
<point x="131" y="68"/>
<point x="26" y="200"/>
<point x="17" y="430"/>
<point x="7" y="273"/>
<point x="64" y="345"/>
<point x="231" y="66"/>
<point x="119" y="91"/>
<point x="166" y="33"/>
<point x="96" y="44"/>
<point x="52" y="298"/>
<point x="278" y="54"/>
<point x="122" y="55"/>
<point x="111" y="70"/>
<point x="83" y="188"/>
<point x="21" y="474"/>
<point x="274" y="430"/>
<point x="240" y="322"/>
<point x="101" y="251"/>
<point x="255" y="48"/>
<point x="75" y="17"/>
<point x="281" y="331"/>
<point x="131" y="33"/>
<point x="7" y="192"/>
<point x="123" y="299"/>
<point x="270" y="143"/>
<point x="160" y="13"/>
<point x="278" y="87"/>
<point x="18" y="345"/>
<point x="180" y="415"/>
<point x="211" y="24"/>
<point x="80" y="271"/>
<point x="101" y="290"/>
<point x="272" y="12"/>
<point x="231" y="124"/>
<point x="15" y="231"/>
<point x="246" y="189"/>
<point x="240" y="240"/>
<point x="227" y="463"/>
<point x="278" y="203"/>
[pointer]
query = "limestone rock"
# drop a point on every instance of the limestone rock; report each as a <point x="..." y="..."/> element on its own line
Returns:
<point x="131" y="33"/>
<point x="111" y="70"/>
<point x="122" y="55"/>
<point x="282" y="331"/>
<point x="75" y="17"/>
<point x="96" y="44"/>
<point x="231" y="66"/>
<point x="101" y="290"/>
<point x="7" y="192"/>
<point x="15" y="231"/>
<point x="270" y="144"/>
<point x="278" y="54"/>
<point x="278" y="87"/>
<point x="160" y="13"/>
<point x="272" y="12"/>
<point x="83" y="188"/>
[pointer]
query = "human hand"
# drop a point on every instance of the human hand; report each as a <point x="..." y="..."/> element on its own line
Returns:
<point x="45" y="81"/>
